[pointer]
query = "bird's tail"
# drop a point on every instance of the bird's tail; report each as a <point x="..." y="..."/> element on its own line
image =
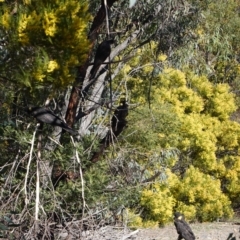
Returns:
<point x="64" y="126"/>
<point x="70" y="130"/>
<point x="94" y="70"/>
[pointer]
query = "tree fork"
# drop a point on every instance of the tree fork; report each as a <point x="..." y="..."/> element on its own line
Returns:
<point x="75" y="94"/>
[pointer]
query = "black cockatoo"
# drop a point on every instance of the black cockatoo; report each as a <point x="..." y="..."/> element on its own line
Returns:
<point x="119" y="121"/>
<point x="44" y="115"/>
<point x="183" y="229"/>
<point x="103" y="51"/>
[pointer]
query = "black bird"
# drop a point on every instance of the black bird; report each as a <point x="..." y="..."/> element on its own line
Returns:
<point x="103" y="51"/>
<point x="118" y="121"/>
<point x="183" y="229"/>
<point x="44" y="115"/>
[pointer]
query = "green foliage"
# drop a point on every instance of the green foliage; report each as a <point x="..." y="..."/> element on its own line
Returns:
<point x="200" y="195"/>
<point x="50" y="38"/>
<point x="156" y="128"/>
<point x="135" y="221"/>
<point x="180" y="150"/>
<point x="197" y="122"/>
<point x="158" y="203"/>
<point x="197" y="195"/>
<point x="42" y="43"/>
<point x="214" y="49"/>
<point x="194" y="94"/>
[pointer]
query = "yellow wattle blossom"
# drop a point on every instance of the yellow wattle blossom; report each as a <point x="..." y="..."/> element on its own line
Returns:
<point x="38" y="75"/>
<point x="177" y="78"/>
<point x="52" y="65"/>
<point x="200" y="32"/>
<point x="23" y="22"/>
<point x="126" y="69"/>
<point x="148" y="68"/>
<point x="49" y="23"/>
<point x="159" y="201"/>
<point x="161" y="135"/>
<point x="73" y="60"/>
<point x="5" y="19"/>
<point x="34" y="22"/>
<point x="76" y="7"/>
<point x="162" y="57"/>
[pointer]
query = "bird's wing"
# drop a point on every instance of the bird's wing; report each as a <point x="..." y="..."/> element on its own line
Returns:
<point x="187" y="233"/>
<point x="46" y="116"/>
<point x="179" y="226"/>
<point x="184" y="230"/>
<point x="103" y="51"/>
<point x="68" y="129"/>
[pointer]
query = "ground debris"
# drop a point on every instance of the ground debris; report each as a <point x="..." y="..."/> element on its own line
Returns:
<point x="202" y="231"/>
